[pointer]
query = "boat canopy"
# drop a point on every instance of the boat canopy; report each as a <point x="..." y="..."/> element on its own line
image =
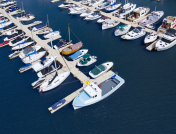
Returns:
<point x="77" y="45"/>
<point x="86" y="56"/>
<point x="98" y="69"/>
<point x="75" y="55"/>
<point x="58" y="104"/>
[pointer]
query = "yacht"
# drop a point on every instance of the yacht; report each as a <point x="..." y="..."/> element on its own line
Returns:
<point x="93" y="16"/>
<point x="86" y="13"/>
<point x="8" y="6"/>
<point x="51" y="34"/>
<point x="54" y="81"/>
<point x="151" y="37"/>
<point x="78" y="54"/>
<point x="95" y="92"/>
<point x="102" y="19"/>
<point x="4" y="25"/>
<point x="86" y="2"/>
<point x="122" y="29"/>
<point x="135" y="33"/>
<point x="22" y="45"/>
<point x="168" y="40"/>
<point x="155" y="16"/>
<point x="6" y="3"/>
<point x="66" y="5"/>
<point x="100" y="69"/>
<point x="3" y="21"/>
<point x="77" y="8"/>
<point x="18" y="41"/>
<point x="10" y="27"/>
<point x="45" y="31"/>
<point x="113" y="7"/>
<point x="168" y="22"/>
<point x="126" y="9"/>
<point x="13" y="36"/>
<point x="78" y="11"/>
<point x="26" y="17"/>
<point x="87" y="60"/>
<point x="12" y="9"/>
<point x="104" y="5"/>
<point x="37" y="83"/>
<point x="109" y="24"/>
<point x="95" y="3"/>
<point x="10" y="32"/>
<point x="138" y="13"/>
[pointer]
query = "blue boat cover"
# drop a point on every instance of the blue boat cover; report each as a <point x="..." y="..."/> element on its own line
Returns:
<point x="27" y="65"/>
<point x="31" y="53"/>
<point x="75" y="55"/>
<point x="43" y="58"/>
<point x="13" y="9"/>
<point x="40" y="26"/>
<point x="113" y="76"/>
<point x="58" y="104"/>
<point x="22" y="42"/>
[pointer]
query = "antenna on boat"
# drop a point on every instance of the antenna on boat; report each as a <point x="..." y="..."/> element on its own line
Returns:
<point x="155" y="8"/>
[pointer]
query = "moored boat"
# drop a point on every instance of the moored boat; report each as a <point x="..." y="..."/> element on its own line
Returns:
<point x="151" y="37"/>
<point x="87" y="60"/>
<point x="122" y="30"/>
<point x="78" y="54"/>
<point x="109" y="24"/>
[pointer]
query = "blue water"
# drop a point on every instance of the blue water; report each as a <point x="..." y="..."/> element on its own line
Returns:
<point x="145" y="104"/>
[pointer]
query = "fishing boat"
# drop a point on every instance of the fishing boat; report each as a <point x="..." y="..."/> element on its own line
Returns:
<point x="5" y="24"/>
<point x="26" y="17"/>
<point x="100" y="69"/>
<point x="72" y="48"/>
<point x="66" y="5"/>
<point x="13" y="36"/>
<point x="22" y="45"/>
<point x="151" y="37"/>
<point x="38" y="82"/>
<point x="62" y="43"/>
<point x="126" y="9"/>
<point x="167" y="41"/>
<point x="87" y="60"/>
<point x="93" y="16"/>
<point x="135" y="33"/>
<point x="168" y="23"/>
<point x="95" y="3"/>
<point x="4" y="44"/>
<point x="109" y="24"/>
<point x="78" y="54"/>
<point x="43" y="63"/>
<point x="53" y="82"/>
<point x="86" y="2"/>
<point x="102" y="19"/>
<point x="45" y="31"/>
<point x="113" y="7"/>
<point x="86" y="13"/>
<point x="57" y="104"/>
<point x="39" y="27"/>
<point x="6" y="3"/>
<point x="95" y="92"/>
<point x="155" y="16"/>
<point x="122" y="29"/>
<point x="18" y="41"/>
<point x="51" y="34"/>
<point x="138" y="13"/>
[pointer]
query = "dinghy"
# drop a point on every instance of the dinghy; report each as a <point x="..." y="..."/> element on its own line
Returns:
<point x="87" y="60"/>
<point x="151" y="37"/>
<point x="155" y="16"/>
<point x="62" y="43"/>
<point x="122" y="30"/>
<point x="102" y="19"/>
<point x="95" y="92"/>
<point x="14" y="54"/>
<point x="18" y="40"/>
<point x="93" y="16"/>
<point x="101" y="69"/>
<point x="45" y="31"/>
<point x="26" y="17"/>
<point x="22" y="45"/>
<point x="51" y="34"/>
<point x="72" y="48"/>
<point x="78" y="54"/>
<point x="135" y="33"/>
<point x="53" y="82"/>
<point x="109" y="24"/>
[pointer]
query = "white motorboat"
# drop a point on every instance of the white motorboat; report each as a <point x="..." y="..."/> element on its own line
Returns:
<point x="53" y="82"/>
<point x="78" y="54"/>
<point x="87" y="60"/>
<point x="45" y="31"/>
<point x="155" y="16"/>
<point x="38" y="82"/>
<point x="122" y="30"/>
<point x="18" y="41"/>
<point x="21" y="46"/>
<point x="135" y="33"/>
<point x="32" y="57"/>
<point x="26" y="17"/>
<point x="76" y="8"/>
<point x="85" y="2"/>
<point x="95" y="92"/>
<point x="43" y="63"/>
<point x="93" y="16"/>
<point x="5" y="3"/>
<point x="151" y="37"/>
<point x="13" y="36"/>
<point x="104" y="5"/>
<point x="109" y="24"/>
<point x="102" y="19"/>
<point x="51" y="34"/>
<point x="101" y="69"/>
<point x="113" y="7"/>
<point x="126" y="9"/>
<point x="168" y="40"/>
<point x="10" y="32"/>
<point x="66" y="5"/>
<point x="5" y="24"/>
<point x="95" y="3"/>
<point x="78" y="11"/>
<point x="86" y="13"/>
<point x="39" y="27"/>
<point x="3" y="21"/>
<point x="138" y="13"/>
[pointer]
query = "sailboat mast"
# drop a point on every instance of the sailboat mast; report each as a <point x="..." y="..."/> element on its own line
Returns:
<point x="69" y="33"/>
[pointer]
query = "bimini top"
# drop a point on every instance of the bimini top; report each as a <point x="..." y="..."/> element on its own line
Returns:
<point x="98" y="69"/>
<point x="86" y="56"/>
<point x="75" y="55"/>
<point x="77" y="45"/>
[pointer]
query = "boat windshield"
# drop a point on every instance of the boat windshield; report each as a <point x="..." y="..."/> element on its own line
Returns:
<point x="136" y="30"/>
<point x="98" y="69"/>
